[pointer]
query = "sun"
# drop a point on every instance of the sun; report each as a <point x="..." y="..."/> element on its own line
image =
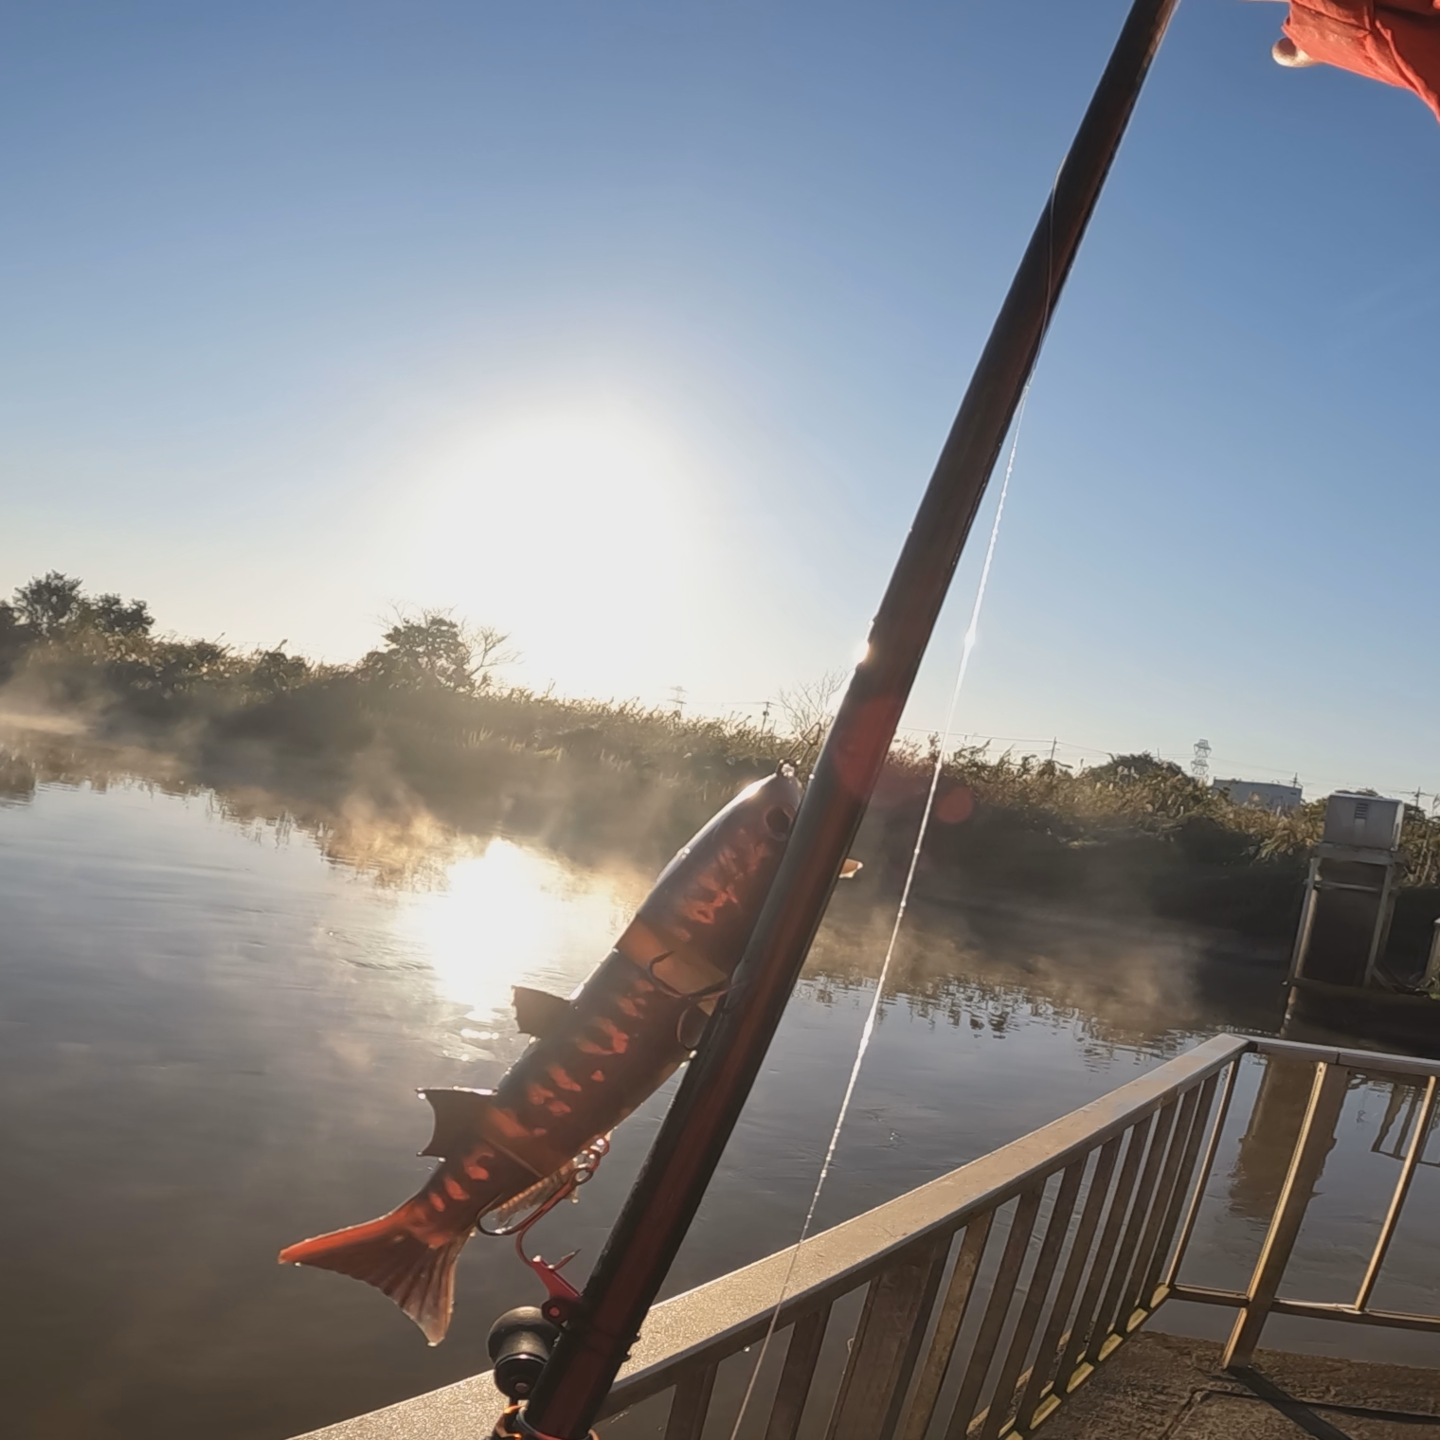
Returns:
<point x="581" y="531"/>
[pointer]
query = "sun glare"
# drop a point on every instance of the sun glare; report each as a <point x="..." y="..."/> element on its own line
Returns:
<point x="581" y="532"/>
<point x="512" y="916"/>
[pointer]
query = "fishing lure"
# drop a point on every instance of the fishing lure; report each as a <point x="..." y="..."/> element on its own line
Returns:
<point x="595" y="1057"/>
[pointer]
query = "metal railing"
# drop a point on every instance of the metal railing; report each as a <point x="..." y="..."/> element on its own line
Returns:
<point x="988" y="1296"/>
<point x="1335" y="1071"/>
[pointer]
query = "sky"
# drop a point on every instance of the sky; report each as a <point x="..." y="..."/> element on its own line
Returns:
<point x="635" y="329"/>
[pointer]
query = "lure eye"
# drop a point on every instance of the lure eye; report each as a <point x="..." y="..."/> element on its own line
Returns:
<point x="777" y="822"/>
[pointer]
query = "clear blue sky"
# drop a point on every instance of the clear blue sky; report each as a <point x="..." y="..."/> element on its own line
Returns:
<point x="634" y="328"/>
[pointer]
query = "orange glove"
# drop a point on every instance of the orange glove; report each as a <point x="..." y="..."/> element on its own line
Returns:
<point x="1397" y="42"/>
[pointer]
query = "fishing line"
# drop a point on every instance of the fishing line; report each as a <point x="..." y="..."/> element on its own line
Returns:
<point x="868" y="1030"/>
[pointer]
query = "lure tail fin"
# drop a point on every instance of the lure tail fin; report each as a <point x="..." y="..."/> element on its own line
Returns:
<point x="388" y="1254"/>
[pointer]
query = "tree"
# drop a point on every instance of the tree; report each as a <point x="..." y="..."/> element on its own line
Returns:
<point x="489" y="649"/>
<point x="434" y="650"/>
<point x="54" y="604"/>
<point x="49" y="602"/>
<point x="810" y="706"/>
<point x="430" y="651"/>
<point x="110" y="614"/>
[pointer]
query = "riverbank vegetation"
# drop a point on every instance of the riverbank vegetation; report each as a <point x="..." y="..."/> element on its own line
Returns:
<point x="427" y="726"/>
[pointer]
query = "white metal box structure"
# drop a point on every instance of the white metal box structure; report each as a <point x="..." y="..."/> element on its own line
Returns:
<point x="1264" y="794"/>
<point x="1364" y="822"/>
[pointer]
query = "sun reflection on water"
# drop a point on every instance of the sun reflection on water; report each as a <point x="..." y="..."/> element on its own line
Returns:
<point x="510" y="915"/>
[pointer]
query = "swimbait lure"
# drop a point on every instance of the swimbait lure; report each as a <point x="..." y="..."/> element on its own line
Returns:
<point x="596" y="1056"/>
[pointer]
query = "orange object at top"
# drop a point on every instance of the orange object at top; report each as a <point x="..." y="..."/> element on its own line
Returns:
<point x="1397" y="42"/>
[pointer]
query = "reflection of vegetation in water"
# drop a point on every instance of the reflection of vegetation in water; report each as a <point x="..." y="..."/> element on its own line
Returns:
<point x="959" y="967"/>
<point x="1110" y="990"/>
<point x="1001" y="1008"/>
<point x="421" y="731"/>
<point x="396" y="848"/>
<point x="17" y="780"/>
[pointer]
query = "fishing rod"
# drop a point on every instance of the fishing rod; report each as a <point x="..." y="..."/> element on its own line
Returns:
<point x="605" y="1321"/>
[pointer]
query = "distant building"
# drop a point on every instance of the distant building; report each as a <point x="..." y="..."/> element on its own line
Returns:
<point x="1281" y="799"/>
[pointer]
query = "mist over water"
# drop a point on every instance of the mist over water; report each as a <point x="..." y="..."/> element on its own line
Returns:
<point x="214" y="1014"/>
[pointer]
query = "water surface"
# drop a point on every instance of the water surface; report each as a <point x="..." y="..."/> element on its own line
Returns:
<point x="210" y="1036"/>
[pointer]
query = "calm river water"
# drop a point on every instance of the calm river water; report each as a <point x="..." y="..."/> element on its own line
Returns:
<point x="210" y="1035"/>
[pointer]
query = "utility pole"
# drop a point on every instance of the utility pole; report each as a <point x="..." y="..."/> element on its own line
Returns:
<point x="765" y="716"/>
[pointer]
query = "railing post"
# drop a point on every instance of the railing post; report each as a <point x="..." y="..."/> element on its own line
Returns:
<point x="1038" y="1388"/>
<point x="1397" y="1200"/>
<point x="948" y="1323"/>
<point x="1071" y="1371"/>
<point x="1037" y="1292"/>
<point x="1317" y="1134"/>
<point x="1200" y="1102"/>
<point x="801" y="1356"/>
<point x="1207" y="1164"/>
<point x="1002" y="1294"/>
<point x="887" y="1343"/>
<point x="691" y="1404"/>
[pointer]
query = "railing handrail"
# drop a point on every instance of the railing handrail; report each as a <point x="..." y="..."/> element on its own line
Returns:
<point x="1375" y="1062"/>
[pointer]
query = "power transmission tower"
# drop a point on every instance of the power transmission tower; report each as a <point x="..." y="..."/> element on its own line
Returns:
<point x="1200" y="765"/>
<point x="677" y="698"/>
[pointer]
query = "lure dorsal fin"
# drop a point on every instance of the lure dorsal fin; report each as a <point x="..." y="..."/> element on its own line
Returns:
<point x="458" y="1114"/>
<point x="537" y="1012"/>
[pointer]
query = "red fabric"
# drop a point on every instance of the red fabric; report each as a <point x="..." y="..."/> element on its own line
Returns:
<point x="1397" y="42"/>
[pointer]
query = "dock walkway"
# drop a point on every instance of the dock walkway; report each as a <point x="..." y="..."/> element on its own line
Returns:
<point x="1161" y="1387"/>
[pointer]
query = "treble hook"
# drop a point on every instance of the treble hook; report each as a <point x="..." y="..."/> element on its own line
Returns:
<point x="561" y="1295"/>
